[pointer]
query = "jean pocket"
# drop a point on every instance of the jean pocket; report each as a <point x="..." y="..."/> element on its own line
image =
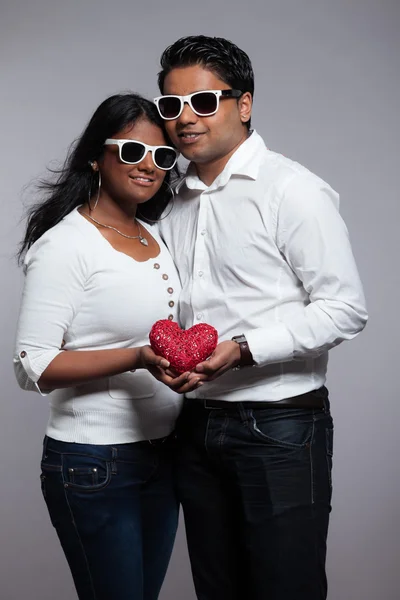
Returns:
<point x="85" y="473"/>
<point x="282" y="428"/>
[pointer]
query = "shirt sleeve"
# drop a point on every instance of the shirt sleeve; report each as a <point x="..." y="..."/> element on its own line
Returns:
<point x="313" y="239"/>
<point x="55" y="275"/>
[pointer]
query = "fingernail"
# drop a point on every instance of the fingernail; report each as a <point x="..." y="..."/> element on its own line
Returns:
<point x="200" y="383"/>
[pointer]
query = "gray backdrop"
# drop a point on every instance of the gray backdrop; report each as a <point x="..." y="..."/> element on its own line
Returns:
<point x="327" y="95"/>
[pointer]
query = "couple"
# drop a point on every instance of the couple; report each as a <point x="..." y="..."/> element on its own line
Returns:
<point x="252" y="244"/>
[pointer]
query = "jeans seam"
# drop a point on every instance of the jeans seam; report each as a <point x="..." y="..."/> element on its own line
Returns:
<point x="329" y="456"/>
<point x="48" y="467"/>
<point x="222" y="435"/>
<point x="206" y="432"/>
<point x="311" y="462"/>
<point x="80" y="542"/>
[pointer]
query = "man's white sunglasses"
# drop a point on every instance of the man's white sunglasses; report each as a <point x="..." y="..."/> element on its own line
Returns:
<point x="203" y="104"/>
<point x="132" y="152"/>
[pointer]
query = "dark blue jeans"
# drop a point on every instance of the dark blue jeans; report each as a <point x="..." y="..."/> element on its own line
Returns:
<point x="115" y="512"/>
<point x="255" y="485"/>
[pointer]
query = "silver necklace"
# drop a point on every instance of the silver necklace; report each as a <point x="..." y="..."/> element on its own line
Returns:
<point x="139" y="237"/>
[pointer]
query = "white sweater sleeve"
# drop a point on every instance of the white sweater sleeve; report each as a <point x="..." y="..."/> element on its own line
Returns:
<point x="55" y="274"/>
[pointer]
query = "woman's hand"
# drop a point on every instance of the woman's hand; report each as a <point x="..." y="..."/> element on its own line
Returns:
<point x="159" y="368"/>
<point x="147" y="358"/>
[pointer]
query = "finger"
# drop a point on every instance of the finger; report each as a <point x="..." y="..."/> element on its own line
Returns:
<point x="151" y="358"/>
<point x="219" y="372"/>
<point x="159" y="374"/>
<point x="178" y="382"/>
<point x="172" y="373"/>
<point x="208" y="367"/>
<point x="198" y="376"/>
<point x="164" y="363"/>
<point x="224" y="368"/>
<point x="188" y="387"/>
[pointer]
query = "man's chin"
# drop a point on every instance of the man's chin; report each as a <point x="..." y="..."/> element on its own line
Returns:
<point x="196" y="155"/>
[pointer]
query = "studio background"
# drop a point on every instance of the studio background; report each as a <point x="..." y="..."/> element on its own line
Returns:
<point x="327" y="95"/>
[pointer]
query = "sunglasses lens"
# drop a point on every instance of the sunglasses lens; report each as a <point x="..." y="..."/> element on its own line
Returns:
<point x="169" y="107"/>
<point x="165" y="158"/>
<point x="204" y="103"/>
<point x="132" y="152"/>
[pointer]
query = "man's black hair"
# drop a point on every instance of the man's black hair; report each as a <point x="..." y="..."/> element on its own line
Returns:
<point x="231" y="64"/>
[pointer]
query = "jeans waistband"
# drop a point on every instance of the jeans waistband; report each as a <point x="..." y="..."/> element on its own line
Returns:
<point x="110" y="452"/>
<point x="315" y="399"/>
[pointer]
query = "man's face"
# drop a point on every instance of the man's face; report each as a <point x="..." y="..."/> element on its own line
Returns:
<point x="206" y="139"/>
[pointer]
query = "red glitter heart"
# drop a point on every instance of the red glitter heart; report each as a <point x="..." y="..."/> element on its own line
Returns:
<point x="184" y="349"/>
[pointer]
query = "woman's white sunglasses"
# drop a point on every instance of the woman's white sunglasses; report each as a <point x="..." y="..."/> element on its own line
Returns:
<point x="132" y="152"/>
<point x="203" y="104"/>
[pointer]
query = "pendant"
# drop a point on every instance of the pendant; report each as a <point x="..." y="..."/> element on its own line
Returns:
<point x="143" y="241"/>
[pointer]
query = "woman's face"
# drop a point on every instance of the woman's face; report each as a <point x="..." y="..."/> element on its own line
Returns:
<point x="132" y="184"/>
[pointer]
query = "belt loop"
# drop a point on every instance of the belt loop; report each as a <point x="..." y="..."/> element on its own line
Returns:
<point x="244" y="413"/>
<point x="114" y="455"/>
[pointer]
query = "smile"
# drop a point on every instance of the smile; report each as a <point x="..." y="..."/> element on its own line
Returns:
<point x="142" y="180"/>
<point x="189" y="137"/>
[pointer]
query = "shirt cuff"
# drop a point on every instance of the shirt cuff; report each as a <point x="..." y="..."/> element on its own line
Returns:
<point x="33" y="368"/>
<point x="271" y="344"/>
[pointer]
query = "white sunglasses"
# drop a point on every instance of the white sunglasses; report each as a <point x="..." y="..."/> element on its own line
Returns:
<point x="132" y="152"/>
<point x="203" y="104"/>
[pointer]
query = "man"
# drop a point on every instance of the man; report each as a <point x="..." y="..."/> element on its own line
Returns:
<point x="264" y="257"/>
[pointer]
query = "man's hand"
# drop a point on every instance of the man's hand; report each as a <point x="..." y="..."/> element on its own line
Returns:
<point x="225" y="356"/>
<point x="158" y="367"/>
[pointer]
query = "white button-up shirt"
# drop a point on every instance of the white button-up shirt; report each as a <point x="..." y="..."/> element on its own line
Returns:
<point x="264" y="252"/>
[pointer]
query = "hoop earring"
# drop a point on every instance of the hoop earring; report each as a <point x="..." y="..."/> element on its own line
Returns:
<point x="97" y="197"/>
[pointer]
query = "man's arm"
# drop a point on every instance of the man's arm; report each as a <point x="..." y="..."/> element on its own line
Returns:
<point x="313" y="239"/>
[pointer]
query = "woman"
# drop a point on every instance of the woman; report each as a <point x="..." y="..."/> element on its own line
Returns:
<point x="97" y="278"/>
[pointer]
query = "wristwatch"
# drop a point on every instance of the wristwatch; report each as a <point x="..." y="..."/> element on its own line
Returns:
<point x="246" y="357"/>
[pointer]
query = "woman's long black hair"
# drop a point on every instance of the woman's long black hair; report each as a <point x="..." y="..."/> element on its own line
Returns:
<point x="76" y="179"/>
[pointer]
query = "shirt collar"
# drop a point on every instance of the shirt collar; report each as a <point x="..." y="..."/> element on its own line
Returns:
<point x="245" y="162"/>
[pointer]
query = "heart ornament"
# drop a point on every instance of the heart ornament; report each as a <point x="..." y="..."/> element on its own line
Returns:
<point x="184" y="349"/>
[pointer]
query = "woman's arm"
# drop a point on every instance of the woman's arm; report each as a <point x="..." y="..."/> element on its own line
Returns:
<point x="70" y="368"/>
<point x="56" y="272"/>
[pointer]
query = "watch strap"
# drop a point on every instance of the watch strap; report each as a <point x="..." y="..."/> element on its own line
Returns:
<point x="246" y="357"/>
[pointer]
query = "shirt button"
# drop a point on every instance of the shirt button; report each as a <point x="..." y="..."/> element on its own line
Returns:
<point x="199" y="316"/>
<point x="156" y="266"/>
<point x="200" y="273"/>
<point x="165" y="276"/>
<point x="171" y="303"/>
<point x="203" y="232"/>
<point x="23" y="354"/>
<point x="170" y="317"/>
<point x="170" y="290"/>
